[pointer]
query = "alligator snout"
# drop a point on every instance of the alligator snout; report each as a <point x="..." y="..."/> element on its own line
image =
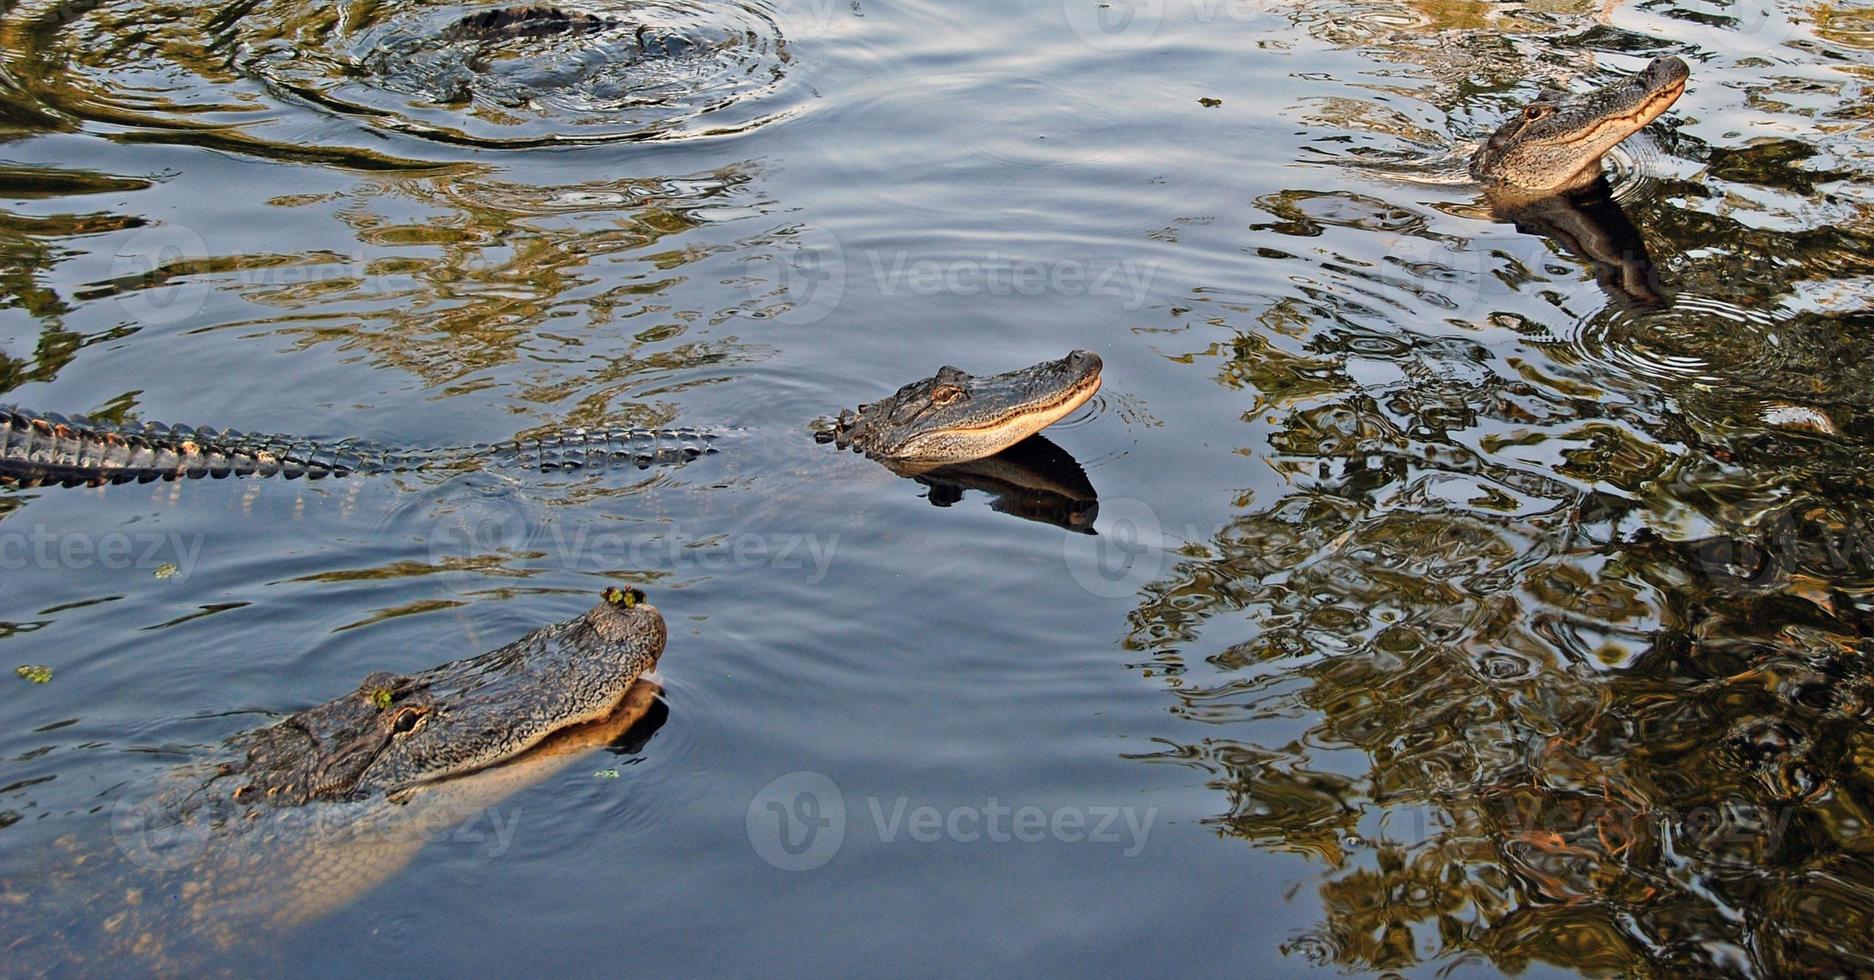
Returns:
<point x="1666" y="71"/>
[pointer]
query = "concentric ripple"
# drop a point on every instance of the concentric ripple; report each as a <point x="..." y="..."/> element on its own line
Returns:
<point x="1698" y="339"/>
<point x="610" y="71"/>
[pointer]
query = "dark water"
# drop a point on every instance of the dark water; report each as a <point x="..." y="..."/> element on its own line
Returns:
<point x="1460" y="601"/>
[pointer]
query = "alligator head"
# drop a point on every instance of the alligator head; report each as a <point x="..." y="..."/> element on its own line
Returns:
<point x="953" y="417"/>
<point x="1556" y="145"/>
<point x="399" y="732"/>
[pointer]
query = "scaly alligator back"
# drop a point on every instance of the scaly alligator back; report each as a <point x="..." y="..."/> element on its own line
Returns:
<point x="38" y="449"/>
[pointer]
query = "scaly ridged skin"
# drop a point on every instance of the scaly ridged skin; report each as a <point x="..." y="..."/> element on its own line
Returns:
<point x="39" y="449"/>
<point x="400" y="731"/>
<point x="1553" y="146"/>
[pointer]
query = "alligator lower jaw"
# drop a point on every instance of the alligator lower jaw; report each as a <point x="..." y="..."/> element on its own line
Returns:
<point x="991" y="439"/>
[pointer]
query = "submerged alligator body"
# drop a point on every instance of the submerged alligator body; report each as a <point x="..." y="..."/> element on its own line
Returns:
<point x="1555" y="145"/>
<point x="528" y="21"/>
<point x="954" y="417"/>
<point x="44" y="449"/>
<point x="512" y="23"/>
<point x="296" y="819"/>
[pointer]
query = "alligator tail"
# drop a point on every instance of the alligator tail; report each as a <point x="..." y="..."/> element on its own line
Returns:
<point x="40" y="449"/>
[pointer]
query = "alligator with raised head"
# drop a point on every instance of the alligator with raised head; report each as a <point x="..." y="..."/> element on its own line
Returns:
<point x="951" y="417"/>
<point x="298" y="818"/>
<point x="954" y="417"/>
<point x="1554" y="145"/>
<point x="41" y="448"/>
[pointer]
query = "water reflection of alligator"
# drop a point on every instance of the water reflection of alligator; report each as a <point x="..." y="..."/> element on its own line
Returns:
<point x="1553" y="146"/>
<point x="1588" y="222"/>
<point x="37" y="449"/>
<point x="306" y="814"/>
<point x="1034" y="479"/>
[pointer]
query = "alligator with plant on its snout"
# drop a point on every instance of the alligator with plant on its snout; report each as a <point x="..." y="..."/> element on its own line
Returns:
<point x="296" y="819"/>
<point x="1557" y="145"/>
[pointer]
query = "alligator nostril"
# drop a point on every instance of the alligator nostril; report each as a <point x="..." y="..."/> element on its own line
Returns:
<point x="1083" y="359"/>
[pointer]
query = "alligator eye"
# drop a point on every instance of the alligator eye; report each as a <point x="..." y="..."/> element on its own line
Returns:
<point x="1535" y="112"/>
<point x="407" y="721"/>
<point x="945" y="394"/>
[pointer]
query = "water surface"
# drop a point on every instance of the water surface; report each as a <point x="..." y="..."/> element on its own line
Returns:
<point x="1459" y="601"/>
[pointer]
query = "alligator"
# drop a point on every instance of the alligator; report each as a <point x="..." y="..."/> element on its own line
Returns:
<point x="293" y="820"/>
<point x="950" y="417"/>
<point x="954" y="417"/>
<point x="508" y="23"/>
<point x="1556" y="145"/>
<point x="45" y="449"/>
<point x="531" y="21"/>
